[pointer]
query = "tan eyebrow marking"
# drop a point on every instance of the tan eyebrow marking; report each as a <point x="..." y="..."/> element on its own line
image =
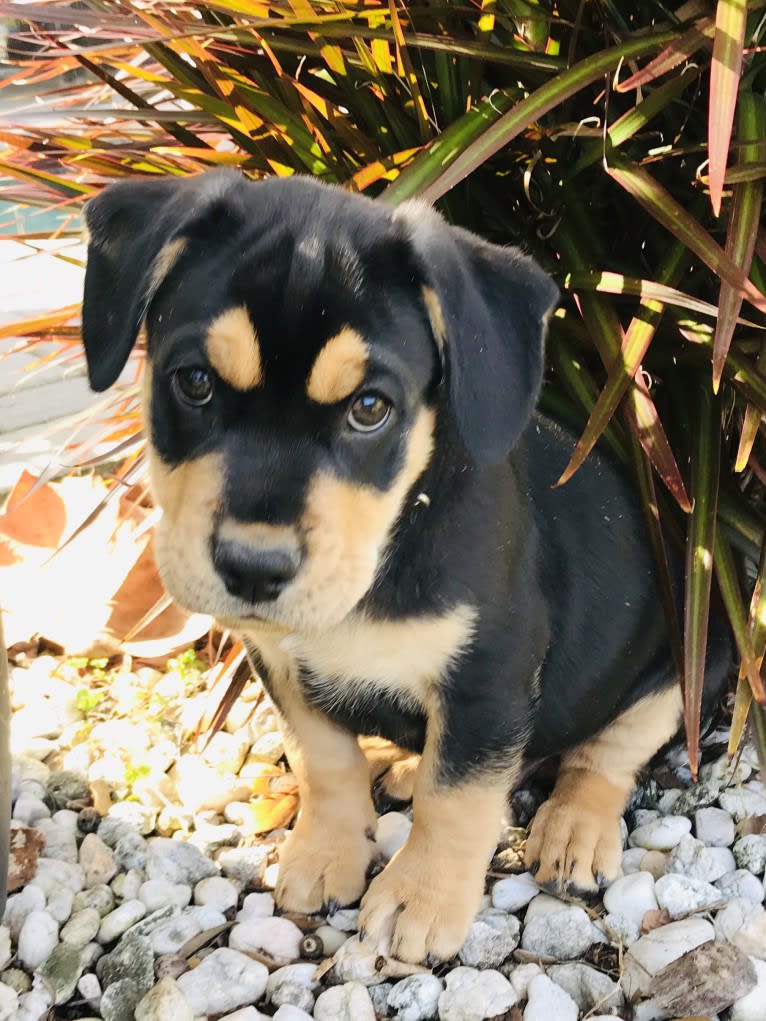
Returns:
<point x="233" y="349"/>
<point x="339" y="368"/>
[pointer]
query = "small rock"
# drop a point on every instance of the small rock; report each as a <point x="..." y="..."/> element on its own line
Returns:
<point x="163" y="1002"/>
<point x="89" y="988"/>
<point x="278" y="937"/>
<point x="9" y="1002"/>
<point x="472" y="995"/>
<point x="5" y="947"/>
<point x="705" y="981"/>
<point x="65" y="786"/>
<point x="207" y="916"/>
<point x="655" y="951"/>
<point x="692" y="858"/>
<point x="19" y="906"/>
<point x="245" y="864"/>
<point x="60" y="843"/>
<point x="565" y="933"/>
<point x="127" y="885"/>
<point x="729" y="920"/>
<point x="59" y="905"/>
<point x="521" y="976"/>
<point x="349" y="1002"/>
<point x="29" y="809"/>
<point x="120" y="1000"/>
<point x="81" y="928"/>
<point x="217" y="892"/>
<point x="750" y="853"/>
<point x="61" y="971"/>
<point x="587" y="986"/>
<point x="223" y="981"/>
<point x="631" y="896"/>
<point x="177" y="862"/>
<point x="547" y="1000"/>
<point x="744" y="801"/>
<point x="391" y="832"/>
<point x="752" y="1006"/>
<point x="17" y="979"/>
<point x="752" y="936"/>
<point x="631" y="860"/>
<point x="37" y="939"/>
<point x="682" y="894"/>
<point x="415" y="998"/>
<point x="294" y="984"/>
<point x="171" y="935"/>
<point x="132" y="958"/>
<point x="714" y="826"/>
<point x="158" y="893"/>
<point x="96" y="861"/>
<point x="33" y="1005"/>
<point x="741" y="883"/>
<point x="285" y="1013"/>
<point x="698" y="795"/>
<point x="492" y="938"/>
<point x="332" y="940"/>
<point x="99" y="897"/>
<point x="52" y="875"/>
<point x="344" y="919"/>
<point x="256" y="905"/>
<point x="515" y="892"/>
<point x="130" y="851"/>
<point x="661" y="835"/>
<point x="120" y="920"/>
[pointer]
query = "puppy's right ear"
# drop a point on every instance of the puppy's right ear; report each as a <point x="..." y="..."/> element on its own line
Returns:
<point x="136" y="232"/>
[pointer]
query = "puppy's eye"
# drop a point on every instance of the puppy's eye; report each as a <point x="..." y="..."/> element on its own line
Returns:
<point x="193" y="385"/>
<point x="368" y="412"/>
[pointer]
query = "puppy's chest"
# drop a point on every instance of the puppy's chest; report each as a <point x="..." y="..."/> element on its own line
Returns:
<point x="379" y="676"/>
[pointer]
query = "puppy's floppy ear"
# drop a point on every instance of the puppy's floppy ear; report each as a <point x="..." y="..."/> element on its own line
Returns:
<point x="136" y="231"/>
<point x="488" y="308"/>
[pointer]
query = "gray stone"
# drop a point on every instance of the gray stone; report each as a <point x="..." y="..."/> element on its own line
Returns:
<point x="750" y="853"/>
<point x="120" y="920"/>
<point x="65" y="786"/>
<point x="177" y="862"/>
<point x="223" y="981"/>
<point x="729" y="920"/>
<point x="705" y="981"/>
<point x="699" y="795"/>
<point x="99" y="897"/>
<point x="682" y="894"/>
<point x="293" y="984"/>
<point x="741" y="883"/>
<point x="587" y="986"/>
<point x="120" y="1000"/>
<point x="563" y="934"/>
<point x="415" y="998"/>
<point x="61" y="971"/>
<point x="473" y="995"/>
<point x="81" y="928"/>
<point x="244" y="863"/>
<point x="694" y="859"/>
<point x="747" y="800"/>
<point x="170" y="935"/>
<point x="492" y="938"/>
<point x="130" y="851"/>
<point x="133" y="958"/>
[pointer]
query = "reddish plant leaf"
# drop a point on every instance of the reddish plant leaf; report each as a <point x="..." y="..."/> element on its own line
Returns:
<point x="728" y="44"/>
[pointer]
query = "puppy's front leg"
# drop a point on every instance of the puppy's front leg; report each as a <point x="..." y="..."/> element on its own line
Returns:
<point x="422" y="904"/>
<point x="326" y="857"/>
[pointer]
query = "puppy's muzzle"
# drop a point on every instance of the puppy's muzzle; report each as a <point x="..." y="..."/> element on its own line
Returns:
<point x="254" y="574"/>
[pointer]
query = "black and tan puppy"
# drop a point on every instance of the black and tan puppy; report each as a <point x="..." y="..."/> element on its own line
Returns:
<point x="339" y="404"/>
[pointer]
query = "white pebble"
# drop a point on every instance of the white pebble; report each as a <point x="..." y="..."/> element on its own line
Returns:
<point x="753" y="1006"/>
<point x="714" y="826"/>
<point x="34" y="1005"/>
<point x="96" y="861"/>
<point x="492" y="938"/>
<point x="157" y="893"/>
<point x="38" y="937"/>
<point x="278" y="937"/>
<point x="217" y="892"/>
<point x="631" y="860"/>
<point x="657" y="949"/>
<point x="631" y="896"/>
<point x="67" y="818"/>
<point x="59" y="905"/>
<point x="741" y="883"/>
<point x="52" y="875"/>
<point x="256" y="905"/>
<point x="223" y="981"/>
<point x="251" y="1014"/>
<point x="29" y="809"/>
<point x="692" y="858"/>
<point x="682" y="894"/>
<point x="744" y="801"/>
<point x="521" y="976"/>
<point x="752" y="936"/>
<point x="6" y="953"/>
<point x="662" y="834"/>
<point x="564" y="934"/>
<point x="127" y="885"/>
<point x="89" y="988"/>
<point x="472" y="995"/>
<point x="391" y="833"/>
<point x="514" y="892"/>
<point x="9" y="1002"/>
<point x="546" y="1000"/>
<point x="349" y="1002"/>
<point x="120" y="920"/>
<point x="729" y="920"/>
<point x="416" y="997"/>
<point x="655" y="863"/>
<point x="60" y="843"/>
<point x="20" y="905"/>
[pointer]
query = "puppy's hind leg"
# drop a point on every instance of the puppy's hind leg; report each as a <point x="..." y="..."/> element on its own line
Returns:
<point x="574" y="844"/>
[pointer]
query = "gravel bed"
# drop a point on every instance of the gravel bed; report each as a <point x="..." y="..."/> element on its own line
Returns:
<point x="143" y="867"/>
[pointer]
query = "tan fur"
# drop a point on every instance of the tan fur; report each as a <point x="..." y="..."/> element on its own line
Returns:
<point x="164" y="261"/>
<point x="338" y="369"/>
<point x="435" y="315"/>
<point x="259" y="535"/>
<point x="233" y="349"/>
<point x="407" y="656"/>
<point x="394" y="767"/>
<point x="575" y="836"/>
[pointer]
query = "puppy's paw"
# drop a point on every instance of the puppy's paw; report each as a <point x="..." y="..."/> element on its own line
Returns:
<point x="320" y="867"/>
<point x="412" y="912"/>
<point x="573" y="848"/>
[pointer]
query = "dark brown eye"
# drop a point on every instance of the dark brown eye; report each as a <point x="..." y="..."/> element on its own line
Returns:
<point x="368" y="412"/>
<point x="193" y="385"/>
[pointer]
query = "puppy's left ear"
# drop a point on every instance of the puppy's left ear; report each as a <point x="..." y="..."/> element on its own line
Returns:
<point x="488" y="308"/>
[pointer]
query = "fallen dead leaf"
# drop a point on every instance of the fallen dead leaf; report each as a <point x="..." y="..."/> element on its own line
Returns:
<point x="34" y="516"/>
<point x="26" y="845"/>
<point x="655" y="919"/>
<point x="271" y="813"/>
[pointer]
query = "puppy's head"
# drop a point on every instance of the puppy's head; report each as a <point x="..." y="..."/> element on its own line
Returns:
<point x="302" y="342"/>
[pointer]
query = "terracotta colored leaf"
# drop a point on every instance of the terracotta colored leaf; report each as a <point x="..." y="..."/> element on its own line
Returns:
<point x="34" y="515"/>
<point x="728" y="44"/>
<point x="268" y="814"/>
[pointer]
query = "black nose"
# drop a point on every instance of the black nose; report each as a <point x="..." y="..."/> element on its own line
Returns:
<point x="255" y="575"/>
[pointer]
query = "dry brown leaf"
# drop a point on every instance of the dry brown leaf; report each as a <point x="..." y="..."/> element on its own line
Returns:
<point x="268" y="814"/>
<point x="26" y="845"/>
<point x="34" y="517"/>
<point x="655" y="919"/>
<point x="755" y="824"/>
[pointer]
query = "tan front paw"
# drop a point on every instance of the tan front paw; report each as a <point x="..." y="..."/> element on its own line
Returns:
<point x="323" y="867"/>
<point x="573" y="848"/>
<point x="416" y="912"/>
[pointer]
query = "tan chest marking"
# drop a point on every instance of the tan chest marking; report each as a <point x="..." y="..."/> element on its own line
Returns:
<point x="407" y="657"/>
